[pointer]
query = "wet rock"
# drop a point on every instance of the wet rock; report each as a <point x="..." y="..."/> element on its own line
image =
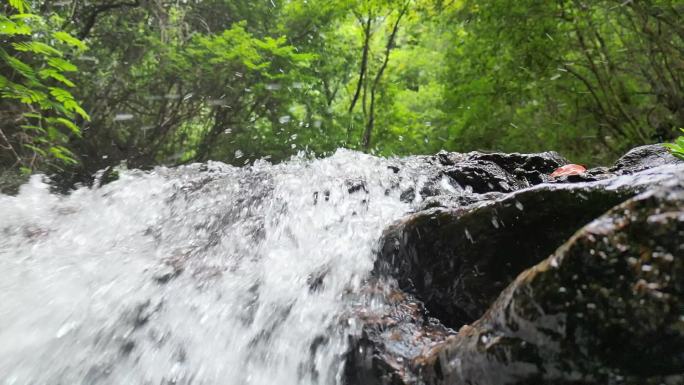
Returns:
<point x="533" y="167"/>
<point x="502" y="172"/>
<point x="471" y="175"/>
<point x="606" y="308"/>
<point x="408" y="195"/>
<point x="457" y="260"/>
<point x="450" y="158"/>
<point x="391" y="338"/>
<point x="356" y="185"/>
<point x="484" y="176"/>
<point x="644" y="157"/>
<point x="453" y="201"/>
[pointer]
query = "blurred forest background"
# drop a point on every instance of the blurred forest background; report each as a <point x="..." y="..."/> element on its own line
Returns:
<point x="87" y="84"/>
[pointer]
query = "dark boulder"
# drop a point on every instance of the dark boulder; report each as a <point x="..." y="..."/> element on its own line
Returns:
<point x="458" y="260"/>
<point x="606" y="308"/>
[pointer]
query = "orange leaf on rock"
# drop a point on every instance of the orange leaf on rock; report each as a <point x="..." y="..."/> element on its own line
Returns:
<point x="569" y="169"/>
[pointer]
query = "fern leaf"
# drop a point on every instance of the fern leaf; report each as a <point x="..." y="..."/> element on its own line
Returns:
<point x="52" y="73"/>
<point x="70" y="125"/>
<point x="35" y="149"/>
<point x="19" y="5"/>
<point x="69" y="40"/>
<point x="61" y="64"/>
<point x="36" y="47"/>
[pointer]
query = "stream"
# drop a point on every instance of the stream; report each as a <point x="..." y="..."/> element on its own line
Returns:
<point x="201" y="274"/>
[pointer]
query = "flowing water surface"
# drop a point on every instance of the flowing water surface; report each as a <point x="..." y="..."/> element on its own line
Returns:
<point x="203" y="274"/>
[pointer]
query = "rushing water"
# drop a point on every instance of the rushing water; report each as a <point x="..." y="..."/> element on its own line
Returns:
<point x="205" y="274"/>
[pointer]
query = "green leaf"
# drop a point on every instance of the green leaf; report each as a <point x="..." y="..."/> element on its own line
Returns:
<point x="19" y="5"/>
<point x="68" y="124"/>
<point x="24" y="94"/>
<point x="35" y="149"/>
<point x="61" y="95"/>
<point x="52" y="73"/>
<point x="676" y="148"/>
<point x="61" y="64"/>
<point x="36" y="47"/>
<point x="69" y="40"/>
<point x="26" y="16"/>
<point x="31" y="127"/>
<point x="10" y="28"/>
<point x="63" y="154"/>
<point x="67" y="99"/>
<point x="55" y="136"/>
<point x="18" y="65"/>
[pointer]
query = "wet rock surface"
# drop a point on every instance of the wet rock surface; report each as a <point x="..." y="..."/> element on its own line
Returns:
<point x="455" y="179"/>
<point x="391" y="339"/>
<point x="644" y="157"/>
<point x="533" y="303"/>
<point x="458" y="260"/>
<point x="606" y="307"/>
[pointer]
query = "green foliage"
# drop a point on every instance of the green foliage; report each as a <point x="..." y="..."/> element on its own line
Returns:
<point x="587" y="78"/>
<point x="677" y="148"/>
<point x="238" y="80"/>
<point x="39" y="114"/>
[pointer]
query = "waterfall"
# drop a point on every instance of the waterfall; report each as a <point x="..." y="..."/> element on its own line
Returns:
<point x="201" y="274"/>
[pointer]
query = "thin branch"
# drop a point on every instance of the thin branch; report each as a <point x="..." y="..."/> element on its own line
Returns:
<point x="388" y="49"/>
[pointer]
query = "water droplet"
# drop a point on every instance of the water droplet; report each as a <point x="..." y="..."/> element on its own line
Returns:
<point x="66" y="328"/>
<point x="470" y="237"/>
<point x="495" y="223"/>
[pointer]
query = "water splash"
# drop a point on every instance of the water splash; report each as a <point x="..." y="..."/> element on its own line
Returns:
<point x="204" y="274"/>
